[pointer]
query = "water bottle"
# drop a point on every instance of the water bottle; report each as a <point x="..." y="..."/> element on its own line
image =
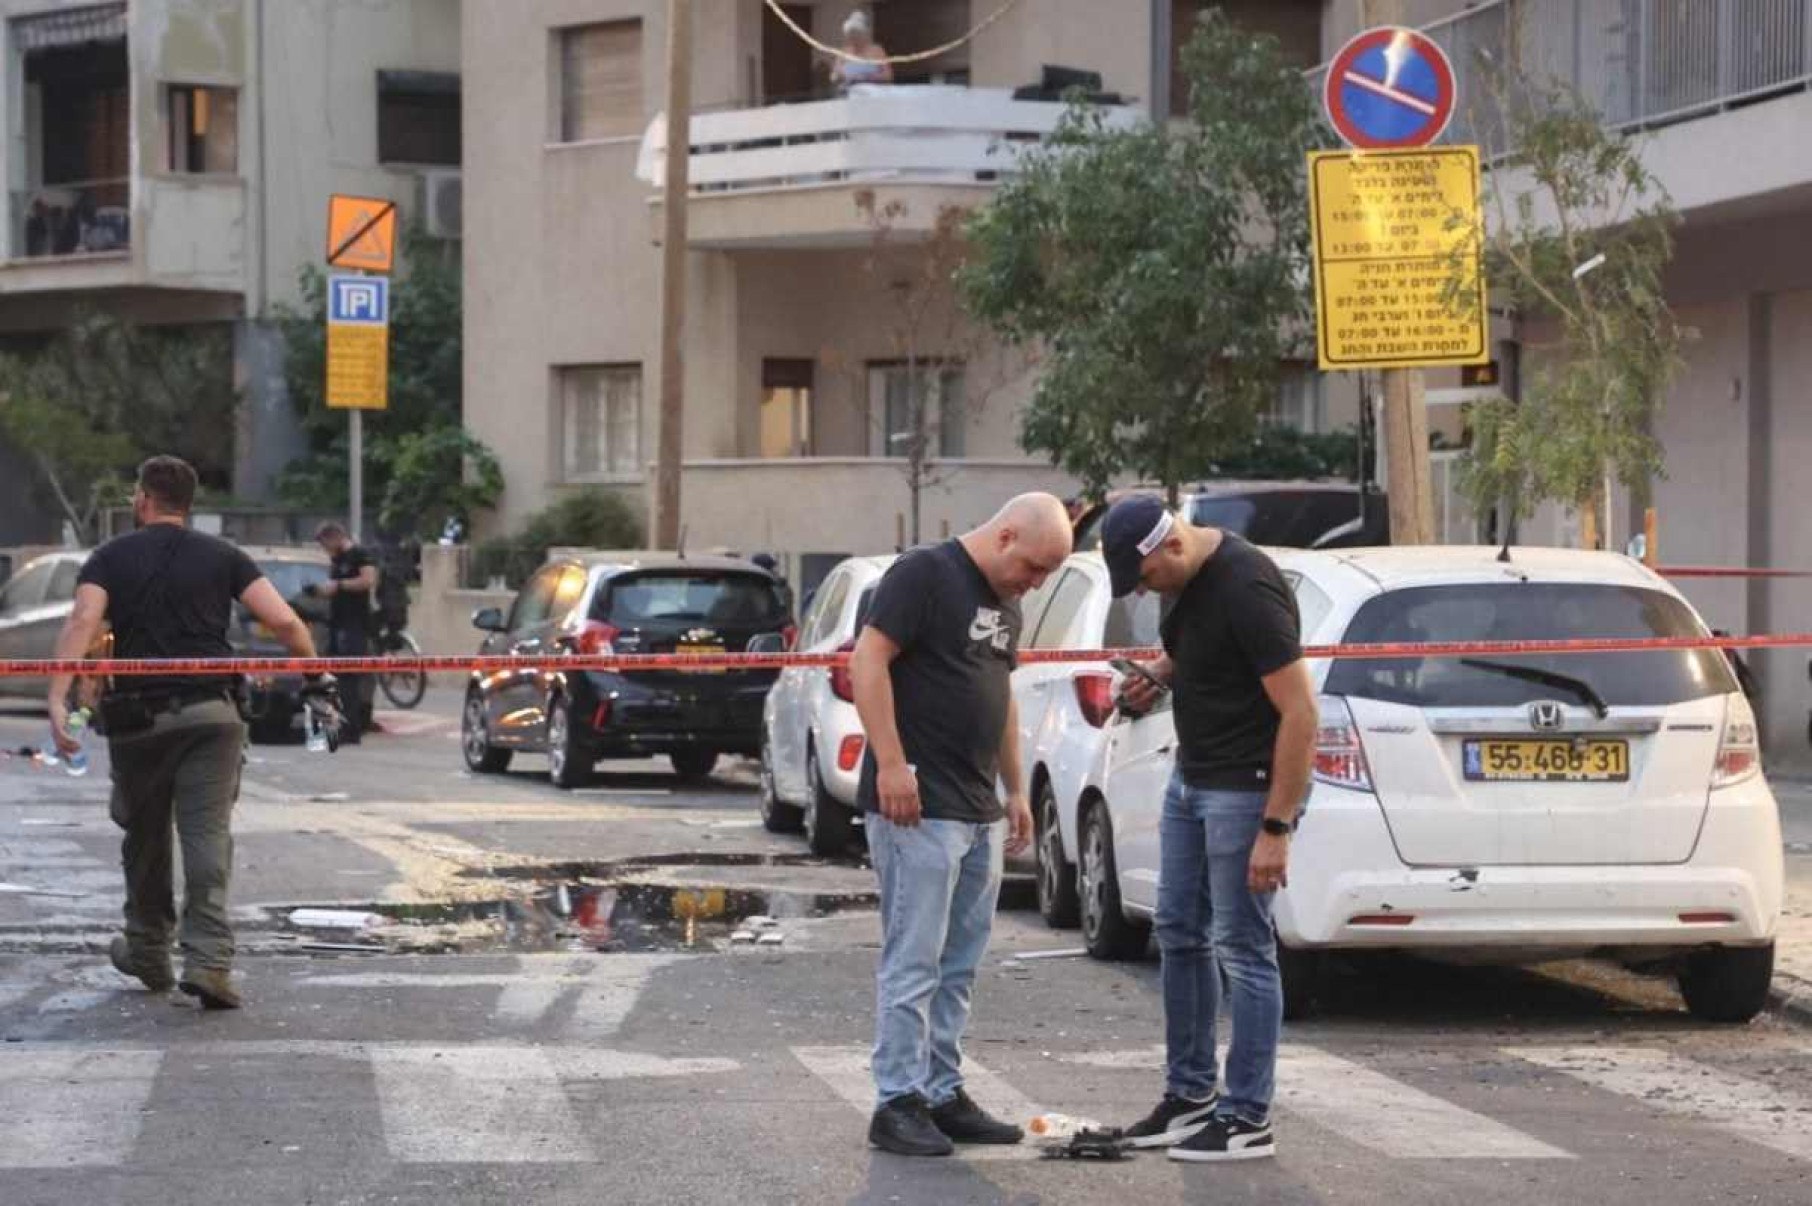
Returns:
<point x="314" y="732"/>
<point x="1060" y="1128"/>
<point x="75" y="763"/>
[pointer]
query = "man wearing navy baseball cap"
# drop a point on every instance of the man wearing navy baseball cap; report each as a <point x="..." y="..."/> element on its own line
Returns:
<point x="1245" y="719"/>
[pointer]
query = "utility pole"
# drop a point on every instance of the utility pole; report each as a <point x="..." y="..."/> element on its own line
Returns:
<point x="1405" y="426"/>
<point x="673" y="274"/>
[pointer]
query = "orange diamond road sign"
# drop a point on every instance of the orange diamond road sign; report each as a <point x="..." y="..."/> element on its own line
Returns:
<point x="361" y="233"/>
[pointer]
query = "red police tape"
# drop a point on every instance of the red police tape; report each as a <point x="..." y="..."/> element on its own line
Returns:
<point x="572" y="663"/>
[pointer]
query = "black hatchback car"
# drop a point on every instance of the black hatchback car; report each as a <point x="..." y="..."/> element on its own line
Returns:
<point x="625" y="603"/>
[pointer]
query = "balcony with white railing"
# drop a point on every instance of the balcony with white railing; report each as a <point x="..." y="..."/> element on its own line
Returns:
<point x="811" y="175"/>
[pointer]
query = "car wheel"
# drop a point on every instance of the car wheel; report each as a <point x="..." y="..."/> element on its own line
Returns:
<point x="1302" y="973"/>
<point x="475" y="740"/>
<point x="1107" y="932"/>
<point x="828" y="824"/>
<point x="693" y="764"/>
<point x="568" y="761"/>
<point x="1728" y="983"/>
<point x="1058" y="902"/>
<point x="777" y="816"/>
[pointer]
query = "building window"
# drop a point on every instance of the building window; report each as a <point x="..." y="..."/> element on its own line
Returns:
<point x="940" y="390"/>
<point x="204" y="130"/>
<point x="786" y="408"/>
<point x="418" y="118"/>
<point x="601" y="421"/>
<point x="600" y="86"/>
<point x="1299" y="402"/>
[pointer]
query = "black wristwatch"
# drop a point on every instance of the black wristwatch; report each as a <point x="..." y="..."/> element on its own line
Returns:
<point x="1277" y="828"/>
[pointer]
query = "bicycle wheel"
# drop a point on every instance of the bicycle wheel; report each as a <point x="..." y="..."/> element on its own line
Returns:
<point x="404" y="688"/>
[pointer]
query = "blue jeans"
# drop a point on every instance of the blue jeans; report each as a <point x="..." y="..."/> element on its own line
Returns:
<point x="1215" y="932"/>
<point x="939" y="884"/>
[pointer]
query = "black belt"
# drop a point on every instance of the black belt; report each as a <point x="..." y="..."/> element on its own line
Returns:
<point x="176" y="701"/>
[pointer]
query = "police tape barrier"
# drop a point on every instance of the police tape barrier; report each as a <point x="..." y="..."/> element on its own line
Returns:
<point x="629" y="662"/>
<point x="1727" y="571"/>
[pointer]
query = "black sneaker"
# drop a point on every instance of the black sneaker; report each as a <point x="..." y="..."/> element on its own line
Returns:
<point x="1227" y="1139"/>
<point x="1175" y="1119"/>
<point x="965" y="1122"/>
<point x="903" y="1126"/>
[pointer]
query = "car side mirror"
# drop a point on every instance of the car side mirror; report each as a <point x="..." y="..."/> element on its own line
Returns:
<point x="768" y="642"/>
<point x="488" y="619"/>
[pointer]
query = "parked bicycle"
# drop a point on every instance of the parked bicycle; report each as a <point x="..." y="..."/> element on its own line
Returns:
<point x="402" y="687"/>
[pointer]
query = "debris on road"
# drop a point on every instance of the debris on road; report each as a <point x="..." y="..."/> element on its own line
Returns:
<point x="333" y="919"/>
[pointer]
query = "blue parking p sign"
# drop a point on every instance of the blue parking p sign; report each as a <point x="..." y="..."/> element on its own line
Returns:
<point x="359" y="300"/>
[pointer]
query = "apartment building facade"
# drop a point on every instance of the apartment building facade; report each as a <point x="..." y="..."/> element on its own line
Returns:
<point x="169" y="162"/>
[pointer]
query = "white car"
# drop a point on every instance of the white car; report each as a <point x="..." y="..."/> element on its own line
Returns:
<point x="811" y="739"/>
<point x="1064" y="708"/>
<point x="1511" y="808"/>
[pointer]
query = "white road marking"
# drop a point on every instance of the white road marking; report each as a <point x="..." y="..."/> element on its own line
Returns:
<point x="1752" y="1109"/>
<point x="1364" y="1106"/>
<point x="1394" y="1118"/>
<point x="496" y="1104"/>
<point x="609" y="987"/>
<point x="846" y="1071"/>
<point x="63" y="1106"/>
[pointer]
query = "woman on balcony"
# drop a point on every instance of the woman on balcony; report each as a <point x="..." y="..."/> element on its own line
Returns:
<point x="869" y="64"/>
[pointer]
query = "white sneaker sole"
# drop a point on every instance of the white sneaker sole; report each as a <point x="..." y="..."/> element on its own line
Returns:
<point x="1176" y="1134"/>
<point x="1239" y="1153"/>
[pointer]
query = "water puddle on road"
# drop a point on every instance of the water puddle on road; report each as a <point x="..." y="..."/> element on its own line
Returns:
<point x="658" y="903"/>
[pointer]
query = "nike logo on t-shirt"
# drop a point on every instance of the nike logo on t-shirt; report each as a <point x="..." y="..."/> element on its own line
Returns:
<point x="987" y="626"/>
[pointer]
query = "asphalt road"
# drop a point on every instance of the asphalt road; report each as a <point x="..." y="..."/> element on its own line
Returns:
<point x="550" y="1008"/>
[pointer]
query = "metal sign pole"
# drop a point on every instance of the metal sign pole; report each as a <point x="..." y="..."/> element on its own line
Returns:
<point x="356" y="455"/>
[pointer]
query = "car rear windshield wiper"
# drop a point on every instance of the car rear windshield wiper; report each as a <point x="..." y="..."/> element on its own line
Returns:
<point x="1546" y="678"/>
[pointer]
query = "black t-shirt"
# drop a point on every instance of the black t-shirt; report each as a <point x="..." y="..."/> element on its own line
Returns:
<point x="349" y="609"/>
<point x="958" y="645"/>
<point x="170" y="593"/>
<point x="1234" y="624"/>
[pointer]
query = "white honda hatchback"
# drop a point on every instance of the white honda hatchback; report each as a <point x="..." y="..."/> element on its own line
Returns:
<point x="1504" y="808"/>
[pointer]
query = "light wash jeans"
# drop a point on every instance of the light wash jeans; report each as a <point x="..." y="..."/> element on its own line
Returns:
<point x="1212" y="931"/>
<point x="940" y="881"/>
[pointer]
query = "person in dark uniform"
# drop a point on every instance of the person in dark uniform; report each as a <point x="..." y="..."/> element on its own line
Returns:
<point x="175" y="741"/>
<point x="351" y="585"/>
<point x="1245" y="712"/>
<point x="930" y="671"/>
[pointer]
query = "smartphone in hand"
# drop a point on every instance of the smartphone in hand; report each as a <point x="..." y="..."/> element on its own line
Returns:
<point x="1131" y="670"/>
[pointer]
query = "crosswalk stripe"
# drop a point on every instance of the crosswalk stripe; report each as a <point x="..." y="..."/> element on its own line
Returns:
<point x="475" y="1105"/>
<point x="67" y="1106"/>
<point x="1391" y="1117"/>
<point x="846" y="1071"/>
<point x="1366" y="1107"/>
<point x="1749" y="1108"/>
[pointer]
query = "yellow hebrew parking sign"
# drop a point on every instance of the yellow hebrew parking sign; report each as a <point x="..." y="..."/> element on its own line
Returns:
<point x="358" y="342"/>
<point x="1399" y="277"/>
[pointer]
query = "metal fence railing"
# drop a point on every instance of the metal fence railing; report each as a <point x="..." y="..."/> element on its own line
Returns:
<point x="1640" y="63"/>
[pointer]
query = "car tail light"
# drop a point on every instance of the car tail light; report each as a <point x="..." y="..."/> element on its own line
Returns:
<point x="1740" y="750"/>
<point x="849" y="753"/>
<point x="594" y="638"/>
<point x="1386" y="919"/>
<point x="1095" y="696"/>
<point x="842" y="685"/>
<point x="1339" y="756"/>
<point x="789" y="635"/>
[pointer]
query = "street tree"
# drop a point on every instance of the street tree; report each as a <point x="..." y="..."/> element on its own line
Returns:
<point x="1578" y="238"/>
<point x="1162" y="270"/>
<point x="103" y="393"/>
<point x="420" y="464"/>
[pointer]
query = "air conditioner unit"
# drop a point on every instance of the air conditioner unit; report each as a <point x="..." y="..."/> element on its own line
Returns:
<point x="442" y="204"/>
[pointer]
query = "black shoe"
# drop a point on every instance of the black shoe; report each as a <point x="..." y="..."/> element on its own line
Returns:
<point x="903" y="1126"/>
<point x="1175" y="1119"/>
<point x="1227" y="1139"/>
<point x="965" y="1122"/>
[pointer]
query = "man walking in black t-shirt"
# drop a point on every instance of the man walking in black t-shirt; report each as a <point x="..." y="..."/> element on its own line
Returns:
<point x="931" y="673"/>
<point x="175" y="742"/>
<point x="351" y="584"/>
<point x="1245" y="716"/>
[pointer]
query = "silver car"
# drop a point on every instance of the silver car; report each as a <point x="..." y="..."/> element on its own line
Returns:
<point x="33" y="605"/>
